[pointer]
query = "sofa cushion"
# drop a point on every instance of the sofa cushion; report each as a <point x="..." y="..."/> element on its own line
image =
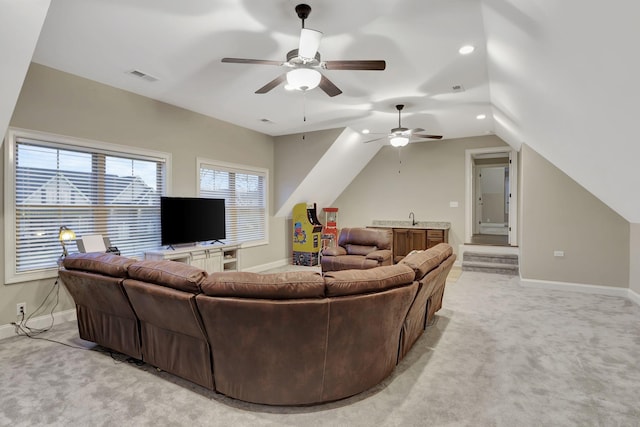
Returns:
<point x="347" y="262"/>
<point x="351" y="282"/>
<point x="98" y="262"/>
<point x="360" y="249"/>
<point x="423" y="262"/>
<point x="334" y="251"/>
<point x="285" y="285"/>
<point x="172" y="274"/>
<point x="366" y="237"/>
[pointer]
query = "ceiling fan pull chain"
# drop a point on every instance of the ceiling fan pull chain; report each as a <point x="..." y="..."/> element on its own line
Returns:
<point x="399" y="160"/>
<point x="304" y="106"/>
<point x="304" y="111"/>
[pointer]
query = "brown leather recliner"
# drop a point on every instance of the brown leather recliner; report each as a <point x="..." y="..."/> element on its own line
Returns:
<point x="358" y="248"/>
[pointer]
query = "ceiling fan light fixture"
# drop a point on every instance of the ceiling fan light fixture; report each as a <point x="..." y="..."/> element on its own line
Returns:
<point x="399" y="140"/>
<point x="303" y="78"/>
<point x="309" y="44"/>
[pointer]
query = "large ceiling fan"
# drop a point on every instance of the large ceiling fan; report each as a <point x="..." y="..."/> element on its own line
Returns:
<point x="399" y="137"/>
<point x="303" y="63"/>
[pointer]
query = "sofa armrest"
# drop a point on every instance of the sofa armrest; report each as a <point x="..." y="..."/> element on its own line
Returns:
<point x="381" y="255"/>
<point x="334" y="251"/>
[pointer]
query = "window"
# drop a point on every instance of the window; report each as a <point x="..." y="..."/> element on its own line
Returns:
<point x="244" y="190"/>
<point x="90" y="188"/>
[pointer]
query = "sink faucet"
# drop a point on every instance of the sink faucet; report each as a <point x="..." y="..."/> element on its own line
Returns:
<point x="413" y="218"/>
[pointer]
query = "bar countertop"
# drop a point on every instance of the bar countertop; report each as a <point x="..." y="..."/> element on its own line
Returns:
<point x="432" y="225"/>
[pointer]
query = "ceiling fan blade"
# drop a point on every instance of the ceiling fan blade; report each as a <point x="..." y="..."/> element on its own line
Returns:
<point x="251" y="61"/>
<point x="377" y="139"/>
<point x="328" y="87"/>
<point x="427" y="136"/>
<point x="273" y="83"/>
<point x="309" y="43"/>
<point x="355" y="65"/>
<point x="416" y="130"/>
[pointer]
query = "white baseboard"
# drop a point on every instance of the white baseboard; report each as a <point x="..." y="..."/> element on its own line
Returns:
<point x="7" y="331"/>
<point x="268" y="266"/>
<point x="583" y="288"/>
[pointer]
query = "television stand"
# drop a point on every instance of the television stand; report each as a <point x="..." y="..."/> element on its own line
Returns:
<point x="211" y="259"/>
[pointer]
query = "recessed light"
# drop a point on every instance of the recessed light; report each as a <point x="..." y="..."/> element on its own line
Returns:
<point x="465" y="50"/>
<point x="365" y="131"/>
<point x="481" y="116"/>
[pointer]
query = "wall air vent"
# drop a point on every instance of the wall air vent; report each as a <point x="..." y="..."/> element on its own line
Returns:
<point x="457" y="88"/>
<point x="143" y="75"/>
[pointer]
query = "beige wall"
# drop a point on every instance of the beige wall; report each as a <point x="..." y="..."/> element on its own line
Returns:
<point x="421" y="178"/>
<point x="559" y="214"/>
<point x="60" y="103"/>
<point x="294" y="157"/>
<point x="634" y="258"/>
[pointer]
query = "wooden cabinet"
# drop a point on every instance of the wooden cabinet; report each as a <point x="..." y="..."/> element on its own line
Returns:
<point x="406" y="240"/>
<point x="437" y="236"/>
<point x="209" y="258"/>
<point x="230" y="258"/>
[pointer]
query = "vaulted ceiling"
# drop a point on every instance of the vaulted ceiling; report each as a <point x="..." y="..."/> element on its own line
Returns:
<point x="556" y="75"/>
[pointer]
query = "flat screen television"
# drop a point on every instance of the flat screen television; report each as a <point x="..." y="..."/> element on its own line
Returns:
<point x="191" y="220"/>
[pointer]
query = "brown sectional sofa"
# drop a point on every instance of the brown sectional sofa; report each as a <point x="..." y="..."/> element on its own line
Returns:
<point x="290" y="338"/>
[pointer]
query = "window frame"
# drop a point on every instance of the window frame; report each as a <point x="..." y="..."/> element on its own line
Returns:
<point x="239" y="168"/>
<point x="54" y="140"/>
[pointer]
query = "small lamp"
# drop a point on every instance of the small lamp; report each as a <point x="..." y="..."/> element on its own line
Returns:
<point x="65" y="235"/>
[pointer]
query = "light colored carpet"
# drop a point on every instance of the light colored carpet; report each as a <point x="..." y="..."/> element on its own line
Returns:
<point x="498" y="355"/>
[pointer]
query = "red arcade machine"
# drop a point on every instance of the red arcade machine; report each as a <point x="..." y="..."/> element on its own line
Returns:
<point x="330" y="230"/>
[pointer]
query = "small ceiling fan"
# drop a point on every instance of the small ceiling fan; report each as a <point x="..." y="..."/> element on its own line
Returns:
<point x="303" y="63"/>
<point x="399" y="137"/>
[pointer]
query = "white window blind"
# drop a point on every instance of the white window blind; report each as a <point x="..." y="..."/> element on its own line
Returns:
<point x="88" y="190"/>
<point x="245" y="193"/>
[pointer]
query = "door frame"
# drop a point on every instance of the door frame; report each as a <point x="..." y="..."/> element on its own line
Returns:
<point x="470" y="205"/>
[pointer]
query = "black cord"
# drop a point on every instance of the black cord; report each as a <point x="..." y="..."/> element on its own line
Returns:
<point x="22" y="327"/>
<point x="23" y="330"/>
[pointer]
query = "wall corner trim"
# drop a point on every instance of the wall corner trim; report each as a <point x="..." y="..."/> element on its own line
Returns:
<point x="633" y="296"/>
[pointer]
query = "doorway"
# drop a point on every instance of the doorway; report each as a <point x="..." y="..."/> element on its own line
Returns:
<point x="491" y="212"/>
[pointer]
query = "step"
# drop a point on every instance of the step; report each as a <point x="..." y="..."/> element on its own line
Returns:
<point x="490" y="267"/>
<point x="510" y="259"/>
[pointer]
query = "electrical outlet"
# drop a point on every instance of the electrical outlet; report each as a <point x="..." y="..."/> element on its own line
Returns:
<point x="21" y="309"/>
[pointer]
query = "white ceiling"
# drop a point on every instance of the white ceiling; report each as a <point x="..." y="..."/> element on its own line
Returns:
<point x="182" y="42"/>
<point x="556" y="75"/>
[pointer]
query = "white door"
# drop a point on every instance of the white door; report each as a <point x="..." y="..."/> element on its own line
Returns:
<point x="473" y="211"/>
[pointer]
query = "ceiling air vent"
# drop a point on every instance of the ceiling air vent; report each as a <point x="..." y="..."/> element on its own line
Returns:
<point x="457" y="88"/>
<point x="143" y="75"/>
